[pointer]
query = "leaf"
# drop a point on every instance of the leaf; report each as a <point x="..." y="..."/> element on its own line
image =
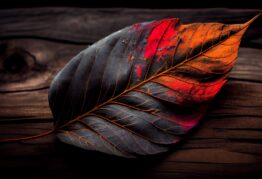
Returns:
<point x="141" y="89"/>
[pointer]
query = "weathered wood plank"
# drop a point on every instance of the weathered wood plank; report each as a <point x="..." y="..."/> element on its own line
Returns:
<point x="27" y="99"/>
<point x="227" y="143"/>
<point x="218" y="144"/>
<point x="81" y="25"/>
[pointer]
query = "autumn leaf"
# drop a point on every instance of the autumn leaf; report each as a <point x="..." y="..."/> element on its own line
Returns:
<point x="141" y="89"/>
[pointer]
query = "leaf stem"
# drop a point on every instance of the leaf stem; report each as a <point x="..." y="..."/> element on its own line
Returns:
<point x="29" y="137"/>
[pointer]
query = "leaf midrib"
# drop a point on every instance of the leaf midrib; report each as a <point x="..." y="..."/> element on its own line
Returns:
<point x="152" y="77"/>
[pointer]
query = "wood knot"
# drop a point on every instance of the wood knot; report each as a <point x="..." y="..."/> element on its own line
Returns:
<point x="15" y="64"/>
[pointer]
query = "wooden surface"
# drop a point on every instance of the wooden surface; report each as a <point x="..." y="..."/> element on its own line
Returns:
<point x="36" y="43"/>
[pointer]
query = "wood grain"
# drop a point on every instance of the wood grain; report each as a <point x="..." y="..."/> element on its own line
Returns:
<point x="227" y="143"/>
<point x="83" y="25"/>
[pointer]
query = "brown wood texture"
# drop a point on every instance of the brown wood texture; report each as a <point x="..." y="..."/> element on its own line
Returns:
<point x="36" y="43"/>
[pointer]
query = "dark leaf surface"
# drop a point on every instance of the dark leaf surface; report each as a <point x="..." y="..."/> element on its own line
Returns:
<point x="141" y="89"/>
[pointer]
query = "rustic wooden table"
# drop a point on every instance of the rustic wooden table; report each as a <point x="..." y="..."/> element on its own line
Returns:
<point x="36" y="43"/>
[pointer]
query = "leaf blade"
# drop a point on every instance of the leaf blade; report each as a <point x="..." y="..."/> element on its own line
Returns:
<point x="183" y="65"/>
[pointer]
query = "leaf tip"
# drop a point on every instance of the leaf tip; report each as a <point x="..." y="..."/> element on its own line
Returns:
<point x="253" y="19"/>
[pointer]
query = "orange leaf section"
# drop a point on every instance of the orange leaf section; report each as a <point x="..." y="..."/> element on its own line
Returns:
<point x="217" y="59"/>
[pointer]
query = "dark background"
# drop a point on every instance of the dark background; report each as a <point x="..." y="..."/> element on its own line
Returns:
<point x="135" y="3"/>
